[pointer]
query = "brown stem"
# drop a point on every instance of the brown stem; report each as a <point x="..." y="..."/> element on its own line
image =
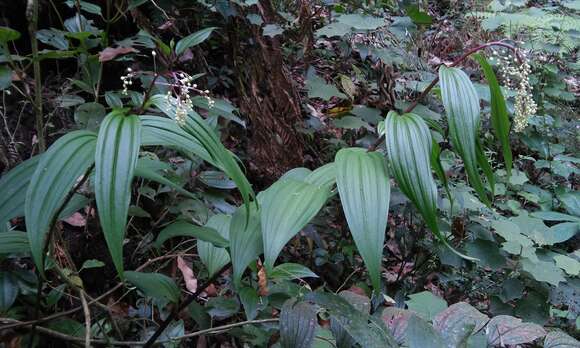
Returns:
<point x="426" y="91"/>
<point x="32" y="12"/>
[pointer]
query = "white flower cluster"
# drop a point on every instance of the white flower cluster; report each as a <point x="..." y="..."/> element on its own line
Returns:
<point x="127" y="80"/>
<point x="182" y="86"/>
<point x="515" y="71"/>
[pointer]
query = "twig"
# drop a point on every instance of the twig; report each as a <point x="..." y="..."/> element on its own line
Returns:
<point x="213" y="330"/>
<point x="32" y="14"/>
<point x="183" y="305"/>
<point x="87" y="313"/>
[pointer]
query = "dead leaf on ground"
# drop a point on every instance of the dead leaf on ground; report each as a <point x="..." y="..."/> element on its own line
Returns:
<point x="188" y="276"/>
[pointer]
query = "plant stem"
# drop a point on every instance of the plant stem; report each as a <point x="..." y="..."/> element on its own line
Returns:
<point x="182" y="306"/>
<point x="32" y="12"/>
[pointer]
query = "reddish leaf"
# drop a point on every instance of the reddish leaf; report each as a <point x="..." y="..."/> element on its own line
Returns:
<point x="397" y="320"/>
<point x="76" y="219"/>
<point x="457" y="322"/>
<point x="188" y="276"/>
<point x="111" y="53"/>
<point x="507" y="330"/>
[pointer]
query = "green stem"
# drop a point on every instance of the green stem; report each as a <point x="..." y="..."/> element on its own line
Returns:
<point x="32" y="12"/>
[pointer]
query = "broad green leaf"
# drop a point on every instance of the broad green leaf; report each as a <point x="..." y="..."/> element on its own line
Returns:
<point x="297" y="324"/>
<point x="165" y="132"/>
<point x="150" y="174"/>
<point x="289" y="271"/>
<point x="409" y="151"/>
<point x="438" y="168"/>
<point x="543" y="271"/>
<point x="568" y="264"/>
<point x="193" y="40"/>
<point x="245" y="240"/>
<point x="250" y="301"/>
<point x="499" y="115"/>
<point x="318" y="88"/>
<point x="323" y="176"/>
<point x="56" y="174"/>
<point x="13" y="242"/>
<point x="426" y="305"/>
<point x="115" y="161"/>
<point x="286" y="207"/>
<point x="185" y="229"/>
<point x="420" y="334"/>
<point x="8" y="290"/>
<point x="554" y="216"/>
<point x="13" y="186"/>
<point x="364" y="329"/>
<point x="463" y="114"/>
<point x="215" y="258"/>
<point x="207" y="137"/>
<point x="154" y="285"/>
<point x="365" y="191"/>
<point x="8" y="34"/>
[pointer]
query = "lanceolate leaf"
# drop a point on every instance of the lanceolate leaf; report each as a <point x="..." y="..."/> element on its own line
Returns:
<point x="365" y="191"/>
<point x="115" y="160"/>
<point x="206" y="136"/>
<point x="193" y="40"/>
<point x="163" y="131"/>
<point x="286" y="207"/>
<point x="56" y="174"/>
<point x="245" y="240"/>
<point x="463" y="113"/>
<point x="185" y="229"/>
<point x="12" y="242"/>
<point x="154" y="285"/>
<point x="409" y="149"/>
<point x="13" y="186"/>
<point x="150" y="174"/>
<point x="499" y="115"/>
<point x="215" y="258"/>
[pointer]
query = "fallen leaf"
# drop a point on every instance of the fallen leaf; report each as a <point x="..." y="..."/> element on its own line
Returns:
<point x="77" y="219"/>
<point x="110" y="53"/>
<point x="188" y="276"/>
<point x="262" y="280"/>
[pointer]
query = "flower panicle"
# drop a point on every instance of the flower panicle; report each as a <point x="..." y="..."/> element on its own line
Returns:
<point x="515" y="70"/>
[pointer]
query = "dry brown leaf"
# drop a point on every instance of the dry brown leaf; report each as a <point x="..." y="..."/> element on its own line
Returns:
<point x="188" y="276"/>
<point x="262" y="280"/>
<point x="77" y="219"/>
<point x="110" y="53"/>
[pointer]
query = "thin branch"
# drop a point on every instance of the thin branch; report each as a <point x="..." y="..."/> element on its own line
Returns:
<point x="87" y="313"/>
<point x="93" y="341"/>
